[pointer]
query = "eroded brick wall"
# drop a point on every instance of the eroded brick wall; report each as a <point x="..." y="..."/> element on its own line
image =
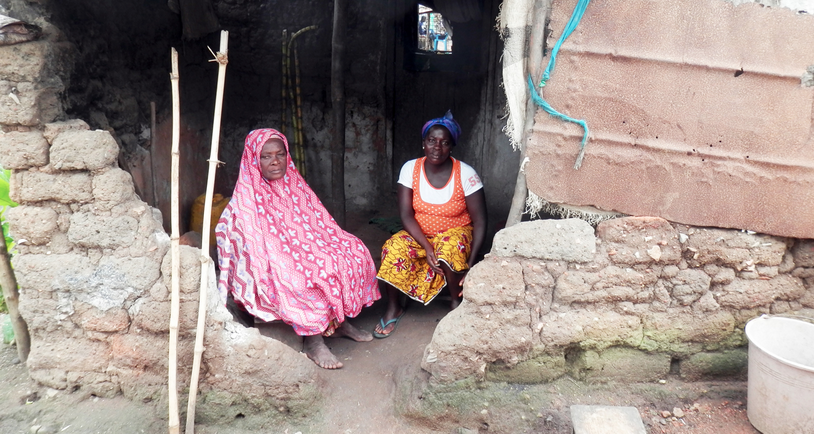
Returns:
<point x="635" y="300"/>
<point x="93" y="265"/>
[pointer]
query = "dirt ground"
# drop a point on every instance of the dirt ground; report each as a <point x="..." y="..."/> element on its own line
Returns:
<point x="360" y="397"/>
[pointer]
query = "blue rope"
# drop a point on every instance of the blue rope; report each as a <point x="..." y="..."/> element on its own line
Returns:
<point x="576" y="17"/>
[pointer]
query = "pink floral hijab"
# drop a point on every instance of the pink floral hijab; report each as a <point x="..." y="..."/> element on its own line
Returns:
<point x="283" y="256"/>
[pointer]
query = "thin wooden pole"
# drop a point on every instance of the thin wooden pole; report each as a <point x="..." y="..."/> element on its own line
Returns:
<point x="298" y="138"/>
<point x="222" y="58"/>
<point x="338" y="106"/>
<point x="284" y="81"/>
<point x="153" y="146"/>
<point x="172" y="387"/>
<point x="12" y="296"/>
<point x="292" y="101"/>
<point x="298" y="103"/>
<point x="534" y="67"/>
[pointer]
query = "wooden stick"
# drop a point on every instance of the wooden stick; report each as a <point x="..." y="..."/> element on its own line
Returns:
<point x="12" y="295"/>
<point x="338" y="41"/>
<point x="153" y="146"/>
<point x="298" y="139"/>
<point x="294" y="119"/>
<point x="298" y="102"/>
<point x="284" y="81"/>
<point x="534" y="67"/>
<point x="222" y="60"/>
<point x="176" y="252"/>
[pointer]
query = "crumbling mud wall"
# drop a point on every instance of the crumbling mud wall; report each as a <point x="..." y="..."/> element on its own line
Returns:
<point x="93" y="267"/>
<point x="636" y="300"/>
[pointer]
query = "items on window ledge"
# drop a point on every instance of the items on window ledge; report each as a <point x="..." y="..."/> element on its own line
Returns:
<point x="434" y="32"/>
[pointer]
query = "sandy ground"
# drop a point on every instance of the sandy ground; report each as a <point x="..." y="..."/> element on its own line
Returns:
<point x="360" y="397"/>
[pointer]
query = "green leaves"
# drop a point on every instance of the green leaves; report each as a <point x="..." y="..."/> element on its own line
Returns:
<point x="5" y="203"/>
<point x="7" y="330"/>
<point x="5" y="200"/>
<point x="9" y="241"/>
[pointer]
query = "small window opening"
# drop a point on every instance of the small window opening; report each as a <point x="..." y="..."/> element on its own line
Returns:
<point x="434" y="32"/>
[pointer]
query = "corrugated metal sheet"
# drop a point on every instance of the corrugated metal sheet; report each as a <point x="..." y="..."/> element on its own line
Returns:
<point x="696" y="110"/>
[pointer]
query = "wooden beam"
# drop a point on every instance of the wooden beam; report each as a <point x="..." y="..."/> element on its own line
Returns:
<point x="338" y="106"/>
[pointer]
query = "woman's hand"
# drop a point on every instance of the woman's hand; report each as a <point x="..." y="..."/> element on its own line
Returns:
<point x="433" y="262"/>
<point x="407" y="214"/>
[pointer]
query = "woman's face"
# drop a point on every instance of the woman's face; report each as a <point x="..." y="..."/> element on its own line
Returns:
<point x="437" y="145"/>
<point x="273" y="159"/>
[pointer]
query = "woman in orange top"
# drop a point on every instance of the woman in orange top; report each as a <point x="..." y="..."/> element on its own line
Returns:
<point x="442" y="208"/>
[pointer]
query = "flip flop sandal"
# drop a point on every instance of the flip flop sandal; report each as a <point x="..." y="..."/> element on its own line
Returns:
<point x="385" y="324"/>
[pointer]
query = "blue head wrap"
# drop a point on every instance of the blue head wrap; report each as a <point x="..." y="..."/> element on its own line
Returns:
<point x="447" y="122"/>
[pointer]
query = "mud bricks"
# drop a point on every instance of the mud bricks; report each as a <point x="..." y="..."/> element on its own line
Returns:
<point x="635" y="300"/>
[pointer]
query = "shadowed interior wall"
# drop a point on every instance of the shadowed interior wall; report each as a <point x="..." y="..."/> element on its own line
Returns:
<point x="122" y="65"/>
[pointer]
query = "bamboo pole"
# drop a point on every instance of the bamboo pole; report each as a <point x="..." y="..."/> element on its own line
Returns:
<point x="12" y="296"/>
<point x="298" y="104"/>
<point x="153" y="146"/>
<point x="338" y="108"/>
<point x="172" y="386"/>
<point x="298" y="139"/>
<point x="284" y="80"/>
<point x="222" y="58"/>
<point x="292" y="100"/>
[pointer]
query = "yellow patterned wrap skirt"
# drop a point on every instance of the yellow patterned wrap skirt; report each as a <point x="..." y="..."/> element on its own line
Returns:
<point x="404" y="261"/>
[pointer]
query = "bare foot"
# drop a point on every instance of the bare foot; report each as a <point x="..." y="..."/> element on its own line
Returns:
<point x="454" y="303"/>
<point x="350" y="331"/>
<point x="389" y="329"/>
<point x="316" y="350"/>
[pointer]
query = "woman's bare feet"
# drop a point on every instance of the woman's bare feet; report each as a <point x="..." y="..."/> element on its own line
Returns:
<point x="350" y="331"/>
<point x="316" y="350"/>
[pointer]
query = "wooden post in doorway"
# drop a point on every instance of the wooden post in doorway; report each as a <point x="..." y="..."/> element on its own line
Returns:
<point x="338" y="106"/>
<point x="534" y="67"/>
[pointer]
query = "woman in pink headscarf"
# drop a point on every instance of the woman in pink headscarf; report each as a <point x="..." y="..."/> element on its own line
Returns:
<point x="283" y="257"/>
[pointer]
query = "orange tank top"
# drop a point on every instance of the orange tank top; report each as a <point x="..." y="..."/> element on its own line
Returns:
<point x="436" y="218"/>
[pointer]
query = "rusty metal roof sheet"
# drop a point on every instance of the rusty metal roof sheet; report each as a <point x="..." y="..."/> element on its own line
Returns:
<point x="696" y="110"/>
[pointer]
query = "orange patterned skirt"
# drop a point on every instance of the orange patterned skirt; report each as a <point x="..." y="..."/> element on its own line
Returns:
<point x="404" y="261"/>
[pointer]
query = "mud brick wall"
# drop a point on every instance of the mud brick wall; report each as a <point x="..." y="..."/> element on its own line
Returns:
<point x="93" y="265"/>
<point x="635" y="300"/>
<point x="31" y="79"/>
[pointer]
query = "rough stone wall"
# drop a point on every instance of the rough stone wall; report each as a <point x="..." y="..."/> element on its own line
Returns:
<point x="635" y="300"/>
<point x="93" y="264"/>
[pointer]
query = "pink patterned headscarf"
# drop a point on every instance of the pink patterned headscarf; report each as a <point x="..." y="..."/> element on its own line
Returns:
<point x="281" y="254"/>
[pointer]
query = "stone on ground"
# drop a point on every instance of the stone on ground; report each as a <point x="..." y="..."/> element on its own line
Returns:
<point x="606" y="419"/>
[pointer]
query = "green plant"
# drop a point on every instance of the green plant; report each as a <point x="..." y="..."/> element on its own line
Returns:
<point x="7" y="330"/>
<point x="5" y="203"/>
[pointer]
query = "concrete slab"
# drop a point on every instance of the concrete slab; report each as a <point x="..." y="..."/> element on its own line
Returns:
<point x="606" y="419"/>
<point x="697" y="114"/>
